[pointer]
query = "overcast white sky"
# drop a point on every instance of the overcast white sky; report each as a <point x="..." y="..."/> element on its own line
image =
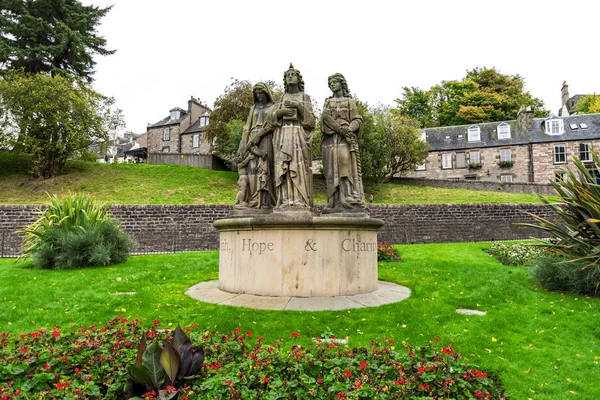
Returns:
<point x="169" y="51"/>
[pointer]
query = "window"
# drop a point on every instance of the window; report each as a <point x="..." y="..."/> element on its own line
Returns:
<point x="461" y="160"/>
<point x="585" y="153"/>
<point x="165" y="149"/>
<point x="421" y="167"/>
<point x="447" y="161"/>
<point x="573" y="126"/>
<point x="506" y="178"/>
<point x="583" y="126"/>
<point x="560" y="176"/>
<point x="560" y="154"/>
<point x="167" y="133"/>
<point x="474" y="134"/>
<point x="474" y="157"/>
<point x="203" y="121"/>
<point x="555" y="127"/>
<point x="505" y="155"/>
<point x="504" y="131"/>
<point x="196" y="141"/>
<point x="175" y="114"/>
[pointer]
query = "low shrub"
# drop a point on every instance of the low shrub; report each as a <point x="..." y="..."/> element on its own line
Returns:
<point x="557" y="273"/>
<point x="75" y="231"/>
<point x="387" y="252"/>
<point x="93" y="363"/>
<point x="515" y="254"/>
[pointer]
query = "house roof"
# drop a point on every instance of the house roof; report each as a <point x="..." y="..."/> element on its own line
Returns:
<point x="194" y="128"/>
<point x="168" y="121"/>
<point x="456" y="137"/>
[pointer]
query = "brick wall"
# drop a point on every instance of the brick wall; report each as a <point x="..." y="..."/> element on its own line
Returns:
<point x="167" y="228"/>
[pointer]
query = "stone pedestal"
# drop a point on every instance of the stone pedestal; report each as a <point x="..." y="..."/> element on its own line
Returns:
<point x="302" y="255"/>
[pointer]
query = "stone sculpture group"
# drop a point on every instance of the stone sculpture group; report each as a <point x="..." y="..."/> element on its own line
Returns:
<point x="275" y="154"/>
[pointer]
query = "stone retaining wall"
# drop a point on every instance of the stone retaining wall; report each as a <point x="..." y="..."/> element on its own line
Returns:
<point x="492" y="186"/>
<point x="170" y="228"/>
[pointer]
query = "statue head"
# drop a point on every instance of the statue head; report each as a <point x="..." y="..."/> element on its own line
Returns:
<point x="262" y="87"/>
<point x="298" y="74"/>
<point x="342" y="80"/>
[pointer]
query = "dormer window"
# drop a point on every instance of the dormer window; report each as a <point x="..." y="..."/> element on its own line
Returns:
<point x="175" y="114"/>
<point x="474" y="134"/>
<point x="555" y="127"/>
<point x="203" y="121"/>
<point x="503" y="131"/>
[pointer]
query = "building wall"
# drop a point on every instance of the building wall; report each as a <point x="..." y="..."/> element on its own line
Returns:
<point x="156" y="142"/>
<point x="543" y="158"/>
<point x="489" y="171"/>
<point x="187" y="142"/>
<point x="167" y="228"/>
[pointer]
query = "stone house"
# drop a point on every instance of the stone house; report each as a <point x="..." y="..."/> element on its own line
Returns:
<point x="527" y="149"/>
<point x="182" y="131"/>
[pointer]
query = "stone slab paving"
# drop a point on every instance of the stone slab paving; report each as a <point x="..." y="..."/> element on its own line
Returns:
<point x="386" y="293"/>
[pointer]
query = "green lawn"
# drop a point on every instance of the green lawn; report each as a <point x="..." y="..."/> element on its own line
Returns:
<point x="170" y="184"/>
<point x="544" y="345"/>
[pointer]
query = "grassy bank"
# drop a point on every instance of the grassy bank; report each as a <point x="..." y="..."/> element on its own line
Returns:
<point x="170" y="184"/>
<point x="543" y="345"/>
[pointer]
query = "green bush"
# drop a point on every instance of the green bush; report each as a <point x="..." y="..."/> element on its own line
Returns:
<point x="558" y="274"/>
<point x="74" y="231"/>
<point x="575" y="232"/>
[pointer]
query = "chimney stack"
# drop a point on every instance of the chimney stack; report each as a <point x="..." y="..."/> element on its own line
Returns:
<point x="525" y="118"/>
<point x="564" y="93"/>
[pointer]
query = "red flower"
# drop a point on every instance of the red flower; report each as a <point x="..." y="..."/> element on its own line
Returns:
<point x="55" y="334"/>
<point x="437" y="339"/>
<point x="249" y="333"/>
<point x="238" y="330"/>
<point x="266" y="380"/>
<point x="319" y="380"/>
<point x="295" y="334"/>
<point x="421" y="369"/>
<point x="363" y="364"/>
<point x="347" y="373"/>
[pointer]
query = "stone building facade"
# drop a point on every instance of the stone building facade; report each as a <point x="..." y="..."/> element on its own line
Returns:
<point x="528" y="149"/>
<point x="182" y="131"/>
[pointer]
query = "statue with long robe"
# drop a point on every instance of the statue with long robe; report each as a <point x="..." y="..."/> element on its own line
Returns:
<point x="294" y="124"/>
<point x="341" y="125"/>
<point x="255" y="154"/>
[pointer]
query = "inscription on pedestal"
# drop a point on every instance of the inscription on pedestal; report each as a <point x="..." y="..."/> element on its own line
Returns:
<point x="260" y="247"/>
<point x="354" y="245"/>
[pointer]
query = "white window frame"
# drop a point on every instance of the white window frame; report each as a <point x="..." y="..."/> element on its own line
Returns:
<point x="562" y="174"/>
<point x="587" y="153"/>
<point x="167" y="133"/>
<point x="474" y="159"/>
<point x="474" y="134"/>
<point x="166" y="149"/>
<point x="503" y="131"/>
<point x="505" y="155"/>
<point x="195" y="140"/>
<point x="506" y="178"/>
<point x="555" y="126"/>
<point x="446" y="160"/>
<point x="175" y="114"/>
<point x="559" y="154"/>
<point x="464" y="158"/>
<point x="203" y="121"/>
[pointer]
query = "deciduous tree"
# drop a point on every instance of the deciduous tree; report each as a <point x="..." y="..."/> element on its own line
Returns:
<point x="51" y="36"/>
<point x="589" y="104"/>
<point x="483" y="95"/>
<point x="53" y="118"/>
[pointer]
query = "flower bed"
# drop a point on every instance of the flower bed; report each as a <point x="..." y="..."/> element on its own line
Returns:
<point x="93" y="362"/>
<point x="515" y="254"/>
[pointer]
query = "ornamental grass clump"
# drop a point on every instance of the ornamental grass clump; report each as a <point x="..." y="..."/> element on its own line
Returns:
<point x="75" y="231"/>
<point x="575" y="234"/>
<point x="98" y="363"/>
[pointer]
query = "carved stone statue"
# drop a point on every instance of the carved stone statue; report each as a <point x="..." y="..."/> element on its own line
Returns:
<point x="255" y="154"/>
<point x="294" y="124"/>
<point x="341" y="125"/>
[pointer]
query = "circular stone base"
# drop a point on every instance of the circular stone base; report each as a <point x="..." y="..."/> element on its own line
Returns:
<point x="386" y="293"/>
